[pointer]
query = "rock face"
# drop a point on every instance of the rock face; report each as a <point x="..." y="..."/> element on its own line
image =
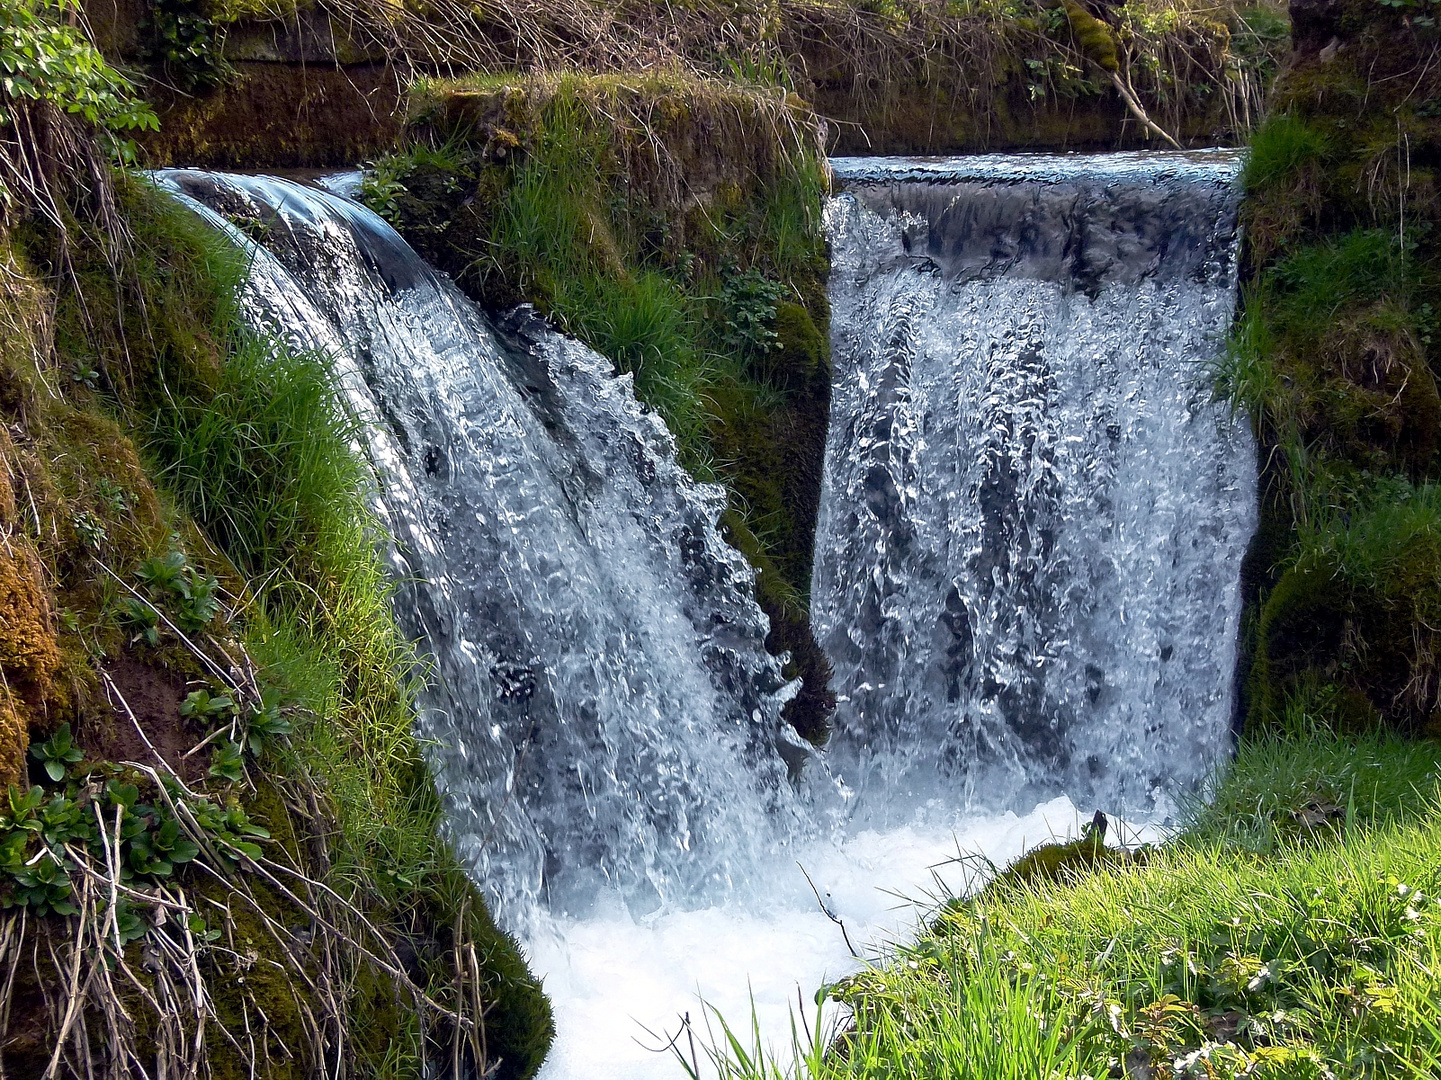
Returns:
<point x="241" y="83"/>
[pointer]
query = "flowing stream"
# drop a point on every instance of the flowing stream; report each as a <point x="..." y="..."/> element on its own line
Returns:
<point x="1026" y="573"/>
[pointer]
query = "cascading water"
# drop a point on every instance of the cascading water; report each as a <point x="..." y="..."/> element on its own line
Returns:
<point x="1034" y="515"/>
<point x="603" y="710"/>
<point x="1026" y="571"/>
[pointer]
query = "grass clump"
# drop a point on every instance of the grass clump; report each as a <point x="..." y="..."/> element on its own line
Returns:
<point x="1289" y="932"/>
<point x="260" y="453"/>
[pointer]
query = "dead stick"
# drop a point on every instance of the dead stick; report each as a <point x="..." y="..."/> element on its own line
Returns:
<point x="829" y="914"/>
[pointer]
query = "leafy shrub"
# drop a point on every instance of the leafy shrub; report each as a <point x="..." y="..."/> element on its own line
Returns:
<point x="45" y="57"/>
<point x="38" y="829"/>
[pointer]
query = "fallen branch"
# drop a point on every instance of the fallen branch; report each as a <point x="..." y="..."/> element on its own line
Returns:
<point x="1139" y="112"/>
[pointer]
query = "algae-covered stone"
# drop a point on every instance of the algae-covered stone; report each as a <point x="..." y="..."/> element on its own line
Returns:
<point x="1060" y="862"/>
<point x="801" y="353"/>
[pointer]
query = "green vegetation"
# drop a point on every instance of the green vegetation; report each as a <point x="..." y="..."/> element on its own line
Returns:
<point x="674" y="226"/>
<point x="205" y="708"/>
<point x="898" y="75"/>
<point x="1334" y="358"/>
<point x="186" y="44"/>
<point x="1290" y="932"/>
<point x="45" y="57"/>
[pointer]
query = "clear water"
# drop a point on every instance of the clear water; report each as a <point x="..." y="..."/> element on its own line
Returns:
<point x="1026" y="574"/>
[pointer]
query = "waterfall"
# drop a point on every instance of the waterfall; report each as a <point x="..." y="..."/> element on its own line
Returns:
<point x="1034" y="515"/>
<point x="603" y="714"/>
<point x="1026" y="572"/>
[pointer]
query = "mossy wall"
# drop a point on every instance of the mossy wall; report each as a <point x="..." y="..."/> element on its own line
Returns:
<point x="1337" y="356"/>
<point x="245" y="83"/>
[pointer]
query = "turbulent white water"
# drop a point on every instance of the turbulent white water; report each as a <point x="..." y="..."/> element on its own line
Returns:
<point x="1026" y="574"/>
<point x="604" y="714"/>
<point x="1034" y="515"/>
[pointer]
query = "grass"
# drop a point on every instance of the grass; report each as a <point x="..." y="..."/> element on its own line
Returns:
<point x="1280" y="149"/>
<point x="1282" y="935"/>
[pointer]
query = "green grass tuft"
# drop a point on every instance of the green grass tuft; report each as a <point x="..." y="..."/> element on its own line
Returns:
<point x="263" y="459"/>
<point x="1279" y="149"/>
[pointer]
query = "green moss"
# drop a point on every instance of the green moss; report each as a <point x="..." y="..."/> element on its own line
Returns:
<point x="1061" y="862"/>
<point x="1347" y="634"/>
<point x="801" y="354"/>
<point x="1093" y="37"/>
<point x="255" y="995"/>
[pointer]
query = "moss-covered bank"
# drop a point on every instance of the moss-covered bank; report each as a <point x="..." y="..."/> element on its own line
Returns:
<point x="1336" y="356"/>
<point x="219" y="849"/>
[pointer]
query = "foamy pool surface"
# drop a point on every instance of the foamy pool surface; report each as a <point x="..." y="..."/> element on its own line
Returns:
<point x="620" y="986"/>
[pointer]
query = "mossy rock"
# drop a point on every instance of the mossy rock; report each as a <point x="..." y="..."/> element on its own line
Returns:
<point x="801" y="354"/>
<point x="1376" y="399"/>
<point x="1367" y="647"/>
<point x="1062" y="863"/>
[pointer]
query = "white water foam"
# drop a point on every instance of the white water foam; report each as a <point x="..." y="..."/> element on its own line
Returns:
<point x="621" y="986"/>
